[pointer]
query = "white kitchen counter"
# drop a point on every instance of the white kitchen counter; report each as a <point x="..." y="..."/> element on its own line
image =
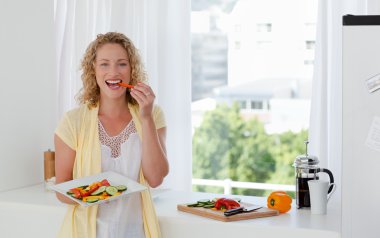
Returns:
<point x="33" y="212"/>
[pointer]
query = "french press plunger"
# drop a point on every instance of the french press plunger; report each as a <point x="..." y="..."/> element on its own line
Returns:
<point x="306" y="167"/>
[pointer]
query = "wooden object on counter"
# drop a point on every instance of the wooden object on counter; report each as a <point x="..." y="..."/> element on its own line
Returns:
<point x="219" y="215"/>
<point x="49" y="164"/>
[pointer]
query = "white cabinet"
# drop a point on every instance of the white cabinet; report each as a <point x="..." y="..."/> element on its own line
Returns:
<point x="361" y="111"/>
<point x="32" y="212"/>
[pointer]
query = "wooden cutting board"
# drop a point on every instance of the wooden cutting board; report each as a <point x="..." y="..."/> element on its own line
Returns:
<point x="219" y="215"/>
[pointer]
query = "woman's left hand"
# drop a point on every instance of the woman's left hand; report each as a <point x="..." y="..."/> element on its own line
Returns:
<point x="145" y="98"/>
<point x="154" y="163"/>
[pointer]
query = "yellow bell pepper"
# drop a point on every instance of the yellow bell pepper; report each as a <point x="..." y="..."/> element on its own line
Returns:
<point x="100" y="197"/>
<point x="280" y="201"/>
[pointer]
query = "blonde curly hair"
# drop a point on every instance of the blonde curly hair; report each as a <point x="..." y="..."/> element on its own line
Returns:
<point x="90" y="93"/>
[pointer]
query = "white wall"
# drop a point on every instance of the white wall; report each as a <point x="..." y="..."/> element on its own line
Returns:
<point x="27" y="90"/>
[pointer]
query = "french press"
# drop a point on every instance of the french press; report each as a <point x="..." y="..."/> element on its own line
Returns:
<point x="306" y="167"/>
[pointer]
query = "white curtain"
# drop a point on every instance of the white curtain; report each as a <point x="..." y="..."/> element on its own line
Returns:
<point x="161" y="31"/>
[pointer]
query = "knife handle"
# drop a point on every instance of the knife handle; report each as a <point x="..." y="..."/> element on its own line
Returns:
<point x="233" y="211"/>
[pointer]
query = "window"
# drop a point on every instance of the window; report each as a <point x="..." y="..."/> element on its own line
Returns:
<point x="243" y="104"/>
<point x="252" y="116"/>
<point x="256" y="105"/>
<point x="264" y="27"/>
<point x="310" y="44"/>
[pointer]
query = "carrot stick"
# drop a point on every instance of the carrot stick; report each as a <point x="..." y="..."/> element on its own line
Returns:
<point x="125" y="85"/>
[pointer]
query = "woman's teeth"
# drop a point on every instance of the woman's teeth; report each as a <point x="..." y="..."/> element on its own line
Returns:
<point x="113" y="82"/>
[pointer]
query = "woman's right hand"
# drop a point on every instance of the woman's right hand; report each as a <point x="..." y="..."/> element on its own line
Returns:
<point x="64" y="164"/>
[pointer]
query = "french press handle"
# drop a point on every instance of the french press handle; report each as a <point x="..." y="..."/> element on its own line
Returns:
<point x="330" y="176"/>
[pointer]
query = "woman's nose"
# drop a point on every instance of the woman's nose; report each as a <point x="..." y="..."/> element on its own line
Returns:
<point x="113" y="69"/>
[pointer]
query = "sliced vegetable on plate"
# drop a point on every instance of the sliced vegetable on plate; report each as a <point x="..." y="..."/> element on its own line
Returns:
<point x="96" y="191"/>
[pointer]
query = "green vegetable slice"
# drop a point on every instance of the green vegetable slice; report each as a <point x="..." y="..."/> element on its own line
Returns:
<point x="92" y="200"/>
<point x="85" y="187"/>
<point x="121" y="188"/>
<point x="209" y="206"/>
<point x="204" y="201"/>
<point x="111" y="190"/>
<point x="99" y="191"/>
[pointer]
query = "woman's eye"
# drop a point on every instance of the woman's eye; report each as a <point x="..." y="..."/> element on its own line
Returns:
<point x="123" y="64"/>
<point x="104" y="64"/>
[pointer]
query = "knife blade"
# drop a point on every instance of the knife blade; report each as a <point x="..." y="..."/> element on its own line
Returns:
<point x="241" y="210"/>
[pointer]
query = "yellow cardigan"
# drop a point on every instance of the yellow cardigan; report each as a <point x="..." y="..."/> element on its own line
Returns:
<point x="79" y="130"/>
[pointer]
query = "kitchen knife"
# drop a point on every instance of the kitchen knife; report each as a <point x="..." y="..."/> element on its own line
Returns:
<point x="241" y="210"/>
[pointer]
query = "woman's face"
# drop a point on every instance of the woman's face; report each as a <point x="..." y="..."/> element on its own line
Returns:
<point x="111" y="67"/>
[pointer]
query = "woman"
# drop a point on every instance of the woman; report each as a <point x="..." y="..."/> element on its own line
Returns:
<point x="114" y="129"/>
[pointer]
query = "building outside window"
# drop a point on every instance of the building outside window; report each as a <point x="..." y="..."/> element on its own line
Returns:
<point x="252" y="64"/>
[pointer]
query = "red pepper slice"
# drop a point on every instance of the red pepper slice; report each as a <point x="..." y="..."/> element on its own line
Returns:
<point x="92" y="189"/>
<point x="226" y="203"/>
<point x="76" y="193"/>
<point x="105" y="182"/>
<point x="219" y="203"/>
<point x="231" y="204"/>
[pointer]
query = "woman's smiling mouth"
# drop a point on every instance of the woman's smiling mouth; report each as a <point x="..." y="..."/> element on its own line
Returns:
<point x="114" y="83"/>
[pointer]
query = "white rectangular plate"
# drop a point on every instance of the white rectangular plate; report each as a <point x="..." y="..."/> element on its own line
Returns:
<point x="112" y="177"/>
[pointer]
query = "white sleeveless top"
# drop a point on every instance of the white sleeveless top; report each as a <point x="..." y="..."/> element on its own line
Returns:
<point x="121" y="218"/>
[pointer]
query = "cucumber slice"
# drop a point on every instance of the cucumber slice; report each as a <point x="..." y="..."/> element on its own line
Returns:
<point x="209" y="206"/>
<point x="72" y="195"/>
<point x="99" y="191"/>
<point x="111" y="190"/>
<point x="204" y="201"/>
<point x="85" y="187"/>
<point x="92" y="200"/>
<point x="121" y="188"/>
